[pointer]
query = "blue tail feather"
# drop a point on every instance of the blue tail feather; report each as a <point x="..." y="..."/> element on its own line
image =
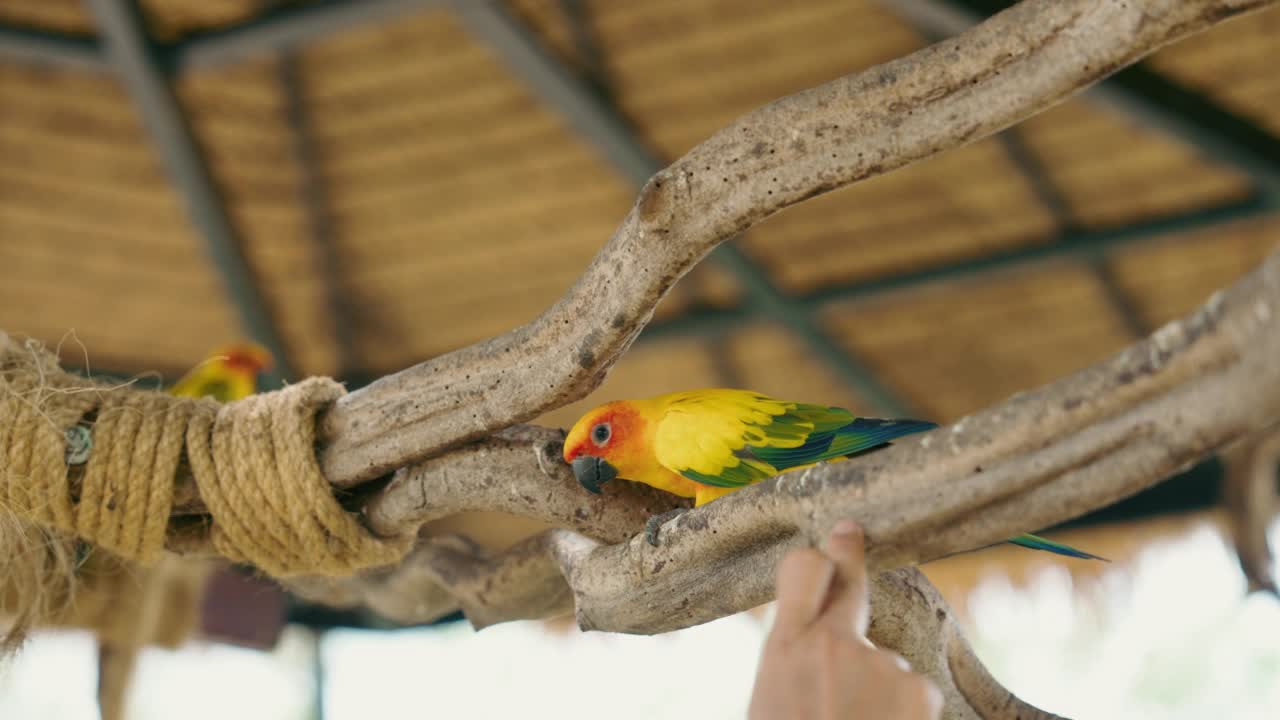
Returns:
<point x="1035" y="542"/>
<point x="873" y="431"/>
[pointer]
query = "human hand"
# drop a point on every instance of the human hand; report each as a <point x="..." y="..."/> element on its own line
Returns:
<point x="817" y="661"/>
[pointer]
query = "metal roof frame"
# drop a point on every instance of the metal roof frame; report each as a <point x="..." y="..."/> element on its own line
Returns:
<point x="131" y="54"/>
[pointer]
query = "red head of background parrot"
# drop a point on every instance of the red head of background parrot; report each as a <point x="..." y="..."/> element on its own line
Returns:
<point x="231" y="373"/>
<point x="247" y="357"/>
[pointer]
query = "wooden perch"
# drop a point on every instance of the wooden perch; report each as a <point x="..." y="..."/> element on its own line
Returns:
<point x="1252" y="504"/>
<point x="908" y="612"/>
<point x="1002" y="71"/>
<point x="445" y="574"/>
<point x="1037" y="459"/>
<point x="519" y="471"/>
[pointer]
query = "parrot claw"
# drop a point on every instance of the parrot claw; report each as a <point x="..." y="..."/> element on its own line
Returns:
<point x="655" y="523"/>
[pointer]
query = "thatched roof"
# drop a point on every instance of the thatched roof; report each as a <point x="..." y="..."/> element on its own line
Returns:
<point x="399" y="190"/>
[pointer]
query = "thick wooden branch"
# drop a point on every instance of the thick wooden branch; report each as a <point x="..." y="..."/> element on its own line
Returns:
<point x="1037" y="459"/>
<point x="908" y="615"/>
<point x="445" y="574"/>
<point x="410" y="593"/>
<point x="1004" y="70"/>
<point x="1252" y="504"/>
<point x="1040" y="457"/>
<point x="449" y="573"/>
<point x="519" y="471"/>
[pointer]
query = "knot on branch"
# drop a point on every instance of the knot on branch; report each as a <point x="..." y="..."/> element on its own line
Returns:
<point x="81" y="460"/>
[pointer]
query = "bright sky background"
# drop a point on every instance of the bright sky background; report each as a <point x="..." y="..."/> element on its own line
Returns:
<point x="1170" y="636"/>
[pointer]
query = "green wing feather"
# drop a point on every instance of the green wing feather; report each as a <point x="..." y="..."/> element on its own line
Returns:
<point x="856" y="436"/>
<point x="733" y="438"/>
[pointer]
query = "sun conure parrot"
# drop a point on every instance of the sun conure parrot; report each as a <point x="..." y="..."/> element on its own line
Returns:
<point x="706" y="443"/>
<point x="231" y="373"/>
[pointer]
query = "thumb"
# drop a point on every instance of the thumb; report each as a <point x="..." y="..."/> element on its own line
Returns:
<point x="849" y="606"/>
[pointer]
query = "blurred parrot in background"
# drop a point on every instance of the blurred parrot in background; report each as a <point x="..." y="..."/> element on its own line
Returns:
<point x="707" y="443"/>
<point x="231" y="373"/>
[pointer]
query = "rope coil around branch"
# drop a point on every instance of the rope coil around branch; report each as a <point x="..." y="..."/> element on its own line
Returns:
<point x="253" y="462"/>
<point x="120" y="499"/>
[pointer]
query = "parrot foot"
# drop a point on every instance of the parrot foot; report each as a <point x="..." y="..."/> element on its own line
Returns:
<point x="657" y="521"/>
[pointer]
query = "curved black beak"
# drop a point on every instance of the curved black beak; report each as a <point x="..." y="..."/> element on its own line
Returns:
<point x="592" y="472"/>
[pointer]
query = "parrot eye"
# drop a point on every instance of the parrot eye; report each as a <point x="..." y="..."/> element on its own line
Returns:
<point x="600" y="434"/>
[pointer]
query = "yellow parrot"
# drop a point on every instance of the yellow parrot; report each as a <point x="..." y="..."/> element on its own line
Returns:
<point x="231" y="373"/>
<point x="706" y="443"/>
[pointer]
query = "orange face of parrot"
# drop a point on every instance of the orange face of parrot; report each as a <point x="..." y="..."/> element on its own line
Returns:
<point x="604" y="444"/>
<point x="246" y="357"/>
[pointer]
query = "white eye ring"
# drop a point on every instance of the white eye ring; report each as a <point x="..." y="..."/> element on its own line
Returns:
<point x="601" y="433"/>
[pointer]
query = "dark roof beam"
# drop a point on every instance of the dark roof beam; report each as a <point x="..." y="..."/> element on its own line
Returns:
<point x="30" y="44"/>
<point x="1082" y="245"/>
<point x="578" y="17"/>
<point x="1049" y="195"/>
<point x="132" y="55"/>
<point x="278" y="28"/>
<point x="315" y="204"/>
<point x="283" y="27"/>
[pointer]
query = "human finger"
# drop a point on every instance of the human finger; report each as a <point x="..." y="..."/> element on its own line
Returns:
<point x="803" y="581"/>
<point x="849" y="603"/>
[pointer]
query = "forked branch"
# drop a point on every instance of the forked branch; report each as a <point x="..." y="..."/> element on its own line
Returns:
<point x="1002" y="71"/>
<point x="1037" y="459"/>
<point x="518" y="471"/>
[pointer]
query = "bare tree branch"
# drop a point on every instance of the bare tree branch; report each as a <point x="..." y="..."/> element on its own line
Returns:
<point x="1037" y="459"/>
<point x="909" y="616"/>
<point x="1252" y="504"/>
<point x="409" y="593"/>
<point x="519" y="471"/>
<point x="445" y="574"/>
<point x="1040" y="457"/>
<point x="527" y="568"/>
<point x="1002" y="71"/>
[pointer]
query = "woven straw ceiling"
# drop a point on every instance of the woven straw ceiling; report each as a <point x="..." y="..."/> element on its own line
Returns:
<point x="458" y="202"/>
